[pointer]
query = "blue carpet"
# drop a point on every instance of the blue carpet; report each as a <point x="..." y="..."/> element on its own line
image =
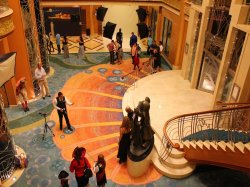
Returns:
<point x="219" y="135"/>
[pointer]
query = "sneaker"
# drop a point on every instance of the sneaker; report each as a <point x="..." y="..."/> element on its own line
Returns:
<point x="70" y="129"/>
<point x="43" y="97"/>
<point x="27" y="109"/>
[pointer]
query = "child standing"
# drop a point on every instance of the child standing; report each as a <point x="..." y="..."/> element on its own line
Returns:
<point x="99" y="169"/>
<point x="63" y="176"/>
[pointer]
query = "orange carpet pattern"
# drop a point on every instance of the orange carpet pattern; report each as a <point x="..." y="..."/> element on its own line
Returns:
<point x="96" y="116"/>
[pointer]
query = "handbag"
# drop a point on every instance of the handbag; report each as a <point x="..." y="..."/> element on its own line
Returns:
<point x="87" y="171"/>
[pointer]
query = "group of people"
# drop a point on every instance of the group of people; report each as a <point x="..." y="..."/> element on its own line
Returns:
<point x="65" y="48"/>
<point x="115" y="48"/>
<point x="154" y="51"/>
<point x="21" y="91"/>
<point x="79" y="164"/>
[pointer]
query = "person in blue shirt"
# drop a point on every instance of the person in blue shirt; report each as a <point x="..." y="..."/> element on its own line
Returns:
<point x="58" y="42"/>
<point x="133" y="39"/>
<point x="150" y="42"/>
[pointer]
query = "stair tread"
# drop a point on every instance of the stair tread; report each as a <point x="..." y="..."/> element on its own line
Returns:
<point x="222" y="145"/>
<point x="172" y="172"/>
<point x="240" y="146"/>
<point x="207" y="144"/>
<point x="177" y="161"/>
<point x="247" y="146"/>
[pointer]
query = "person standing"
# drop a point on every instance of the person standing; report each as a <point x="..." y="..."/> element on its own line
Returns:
<point x="65" y="47"/>
<point x="100" y="166"/>
<point x="40" y="75"/>
<point x="111" y="47"/>
<point x="160" y="47"/>
<point x="64" y="178"/>
<point x="58" y="42"/>
<point x="124" y="140"/>
<point x="51" y="43"/>
<point x="157" y="61"/>
<point x="119" y="37"/>
<point x="133" y="39"/>
<point x="81" y="48"/>
<point x="134" y="52"/>
<point x="150" y="42"/>
<point x="60" y="103"/>
<point x="21" y="93"/>
<point x="78" y="165"/>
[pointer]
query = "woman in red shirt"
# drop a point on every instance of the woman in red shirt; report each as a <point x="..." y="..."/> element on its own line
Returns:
<point x="78" y="165"/>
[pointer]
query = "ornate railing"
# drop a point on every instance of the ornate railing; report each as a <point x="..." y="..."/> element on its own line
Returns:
<point x="7" y="151"/>
<point x="231" y="119"/>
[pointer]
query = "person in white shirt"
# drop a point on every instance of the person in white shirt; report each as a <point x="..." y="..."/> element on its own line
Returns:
<point x="60" y="103"/>
<point x="160" y="47"/>
<point x="40" y="75"/>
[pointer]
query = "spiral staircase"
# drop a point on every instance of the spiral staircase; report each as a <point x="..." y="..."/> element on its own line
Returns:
<point x="218" y="137"/>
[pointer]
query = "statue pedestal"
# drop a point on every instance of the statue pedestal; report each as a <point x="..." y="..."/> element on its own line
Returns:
<point x="137" y="169"/>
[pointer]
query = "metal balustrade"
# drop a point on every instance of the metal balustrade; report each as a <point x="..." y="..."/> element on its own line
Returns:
<point x="233" y="118"/>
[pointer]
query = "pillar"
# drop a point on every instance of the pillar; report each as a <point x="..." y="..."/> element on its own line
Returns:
<point x="178" y="58"/>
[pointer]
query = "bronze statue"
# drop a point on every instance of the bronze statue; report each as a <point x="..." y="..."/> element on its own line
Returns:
<point x="142" y="132"/>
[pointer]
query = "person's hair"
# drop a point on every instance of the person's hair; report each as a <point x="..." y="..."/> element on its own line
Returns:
<point x="128" y="109"/>
<point x="160" y="42"/>
<point x="101" y="158"/>
<point x="77" y="154"/>
<point x="147" y="99"/>
<point x="126" y="123"/>
<point x="101" y="161"/>
<point x="132" y="32"/>
<point x="59" y="94"/>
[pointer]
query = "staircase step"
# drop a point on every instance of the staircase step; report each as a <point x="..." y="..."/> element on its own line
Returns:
<point x="175" y="162"/>
<point x="207" y="144"/>
<point x="222" y="145"/>
<point x="175" y="153"/>
<point x="186" y="144"/>
<point x="172" y="172"/>
<point x="247" y="146"/>
<point x="193" y="144"/>
<point x="230" y="147"/>
<point x="213" y="145"/>
<point x="200" y="144"/>
<point x="240" y="146"/>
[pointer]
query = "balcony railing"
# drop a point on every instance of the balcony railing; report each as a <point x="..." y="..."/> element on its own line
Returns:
<point x="231" y="119"/>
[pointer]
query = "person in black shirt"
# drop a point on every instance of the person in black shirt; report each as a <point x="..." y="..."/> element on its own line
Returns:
<point x="60" y="103"/>
<point x="119" y="36"/>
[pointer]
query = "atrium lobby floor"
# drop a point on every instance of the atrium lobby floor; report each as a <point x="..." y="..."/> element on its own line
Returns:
<point x="97" y="90"/>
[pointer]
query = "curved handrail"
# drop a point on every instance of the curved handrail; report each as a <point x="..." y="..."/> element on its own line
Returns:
<point x="231" y="119"/>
